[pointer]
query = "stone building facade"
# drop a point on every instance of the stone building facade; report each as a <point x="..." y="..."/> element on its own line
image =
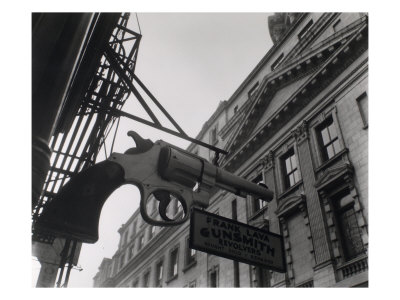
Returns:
<point x="298" y="123"/>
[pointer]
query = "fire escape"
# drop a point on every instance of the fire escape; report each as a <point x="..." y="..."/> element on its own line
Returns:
<point x="83" y="73"/>
<point x="89" y="114"/>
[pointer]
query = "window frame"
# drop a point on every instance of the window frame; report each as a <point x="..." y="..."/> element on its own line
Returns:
<point x="125" y="242"/>
<point x="364" y="116"/>
<point x="131" y="251"/>
<point x="339" y="210"/>
<point x="135" y="283"/>
<point x="152" y="232"/>
<point x="121" y="263"/>
<point x="328" y="124"/>
<point x="285" y="176"/>
<point x="258" y="204"/>
<point x="192" y="284"/>
<point x="319" y="159"/>
<point x="158" y="280"/>
<point x="134" y="223"/>
<point x="213" y="134"/>
<point x="171" y="274"/>
<point x="211" y="271"/>
<point x="190" y="260"/>
<point x="140" y="242"/>
<point x="146" y="276"/>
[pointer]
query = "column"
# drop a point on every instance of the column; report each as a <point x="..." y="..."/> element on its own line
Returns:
<point x="317" y="226"/>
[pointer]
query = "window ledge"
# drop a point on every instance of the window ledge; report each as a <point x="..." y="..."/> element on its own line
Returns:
<point x="171" y="278"/>
<point x="332" y="160"/>
<point x="258" y="213"/>
<point x="189" y="266"/>
<point x="291" y="189"/>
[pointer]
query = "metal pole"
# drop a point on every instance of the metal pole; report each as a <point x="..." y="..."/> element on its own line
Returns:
<point x="70" y="261"/>
<point x="64" y="254"/>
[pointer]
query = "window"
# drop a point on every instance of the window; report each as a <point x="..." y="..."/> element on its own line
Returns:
<point x="258" y="203"/>
<point x="151" y="205"/>
<point x="305" y="29"/>
<point x="152" y="232"/>
<point x="253" y="90"/>
<point x="260" y="277"/>
<point x="121" y="260"/>
<point x="192" y="284"/>
<point x="133" y="229"/>
<point x="179" y="207"/>
<point x="173" y="263"/>
<point x="135" y="283"/>
<point x="131" y="251"/>
<point x="125" y="237"/>
<point x="236" y="274"/>
<point x="213" y="277"/>
<point x="146" y="279"/>
<point x="290" y="169"/>
<point x="277" y="62"/>
<point x="362" y="102"/>
<point x="140" y="242"/>
<point x="190" y="255"/>
<point x="346" y="219"/>
<point x="159" y="273"/>
<point x="234" y="209"/>
<point x="328" y="139"/>
<point x="213" y="135"/>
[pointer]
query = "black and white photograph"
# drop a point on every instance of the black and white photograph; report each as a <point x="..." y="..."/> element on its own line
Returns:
<point x="241" y="149"/>
<point x="269" y="188"/>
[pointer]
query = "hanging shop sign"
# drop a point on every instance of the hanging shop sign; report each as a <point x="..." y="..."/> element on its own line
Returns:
<point x="234" y="240"/>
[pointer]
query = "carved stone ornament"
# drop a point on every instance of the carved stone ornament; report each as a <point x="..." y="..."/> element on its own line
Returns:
<point x="286" y="206"/>
<point x="268" y="161"/>
<point x="344" y="170"/>
<point x="301" y="132"/>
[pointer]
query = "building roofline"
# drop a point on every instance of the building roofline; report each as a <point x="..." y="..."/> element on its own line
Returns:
<point x="251" y="75"/>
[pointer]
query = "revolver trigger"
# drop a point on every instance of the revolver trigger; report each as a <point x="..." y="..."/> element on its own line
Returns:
<point x="165" y="198"/>
<point x="142" y="145"/>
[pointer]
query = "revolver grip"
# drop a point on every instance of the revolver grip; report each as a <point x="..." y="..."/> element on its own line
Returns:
<point x="75" y="210"/>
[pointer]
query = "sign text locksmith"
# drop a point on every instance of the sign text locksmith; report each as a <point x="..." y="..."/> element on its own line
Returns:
<point x="234" y="240"/>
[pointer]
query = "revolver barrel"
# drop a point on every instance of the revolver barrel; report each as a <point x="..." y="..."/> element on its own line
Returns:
<point x="188" y="169"/>
<point x="242" y="187"/>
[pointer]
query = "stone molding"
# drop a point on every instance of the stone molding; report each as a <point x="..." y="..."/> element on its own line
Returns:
<point x="300" y="133"/>
<point x="287" y="205"/>
<point x="268" y="161"/>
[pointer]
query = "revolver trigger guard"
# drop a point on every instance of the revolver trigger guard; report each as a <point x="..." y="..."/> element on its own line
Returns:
<point x="166" y="221"/>
<point x="165" y="199"/>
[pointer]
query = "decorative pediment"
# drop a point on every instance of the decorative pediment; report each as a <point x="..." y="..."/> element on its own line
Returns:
<point x="289" y="204"/>
<point x="320" y="70"/>
<point x="313" y="42"/>
<point x="332" y="174"/>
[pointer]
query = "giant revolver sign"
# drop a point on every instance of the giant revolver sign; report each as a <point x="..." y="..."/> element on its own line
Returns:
<point x="234" y="240"/>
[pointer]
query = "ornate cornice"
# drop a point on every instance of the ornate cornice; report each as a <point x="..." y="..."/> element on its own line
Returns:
<point x="327" y="65"/>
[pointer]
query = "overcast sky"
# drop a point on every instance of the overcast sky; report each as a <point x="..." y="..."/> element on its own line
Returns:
<point x="190" y="62"/>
